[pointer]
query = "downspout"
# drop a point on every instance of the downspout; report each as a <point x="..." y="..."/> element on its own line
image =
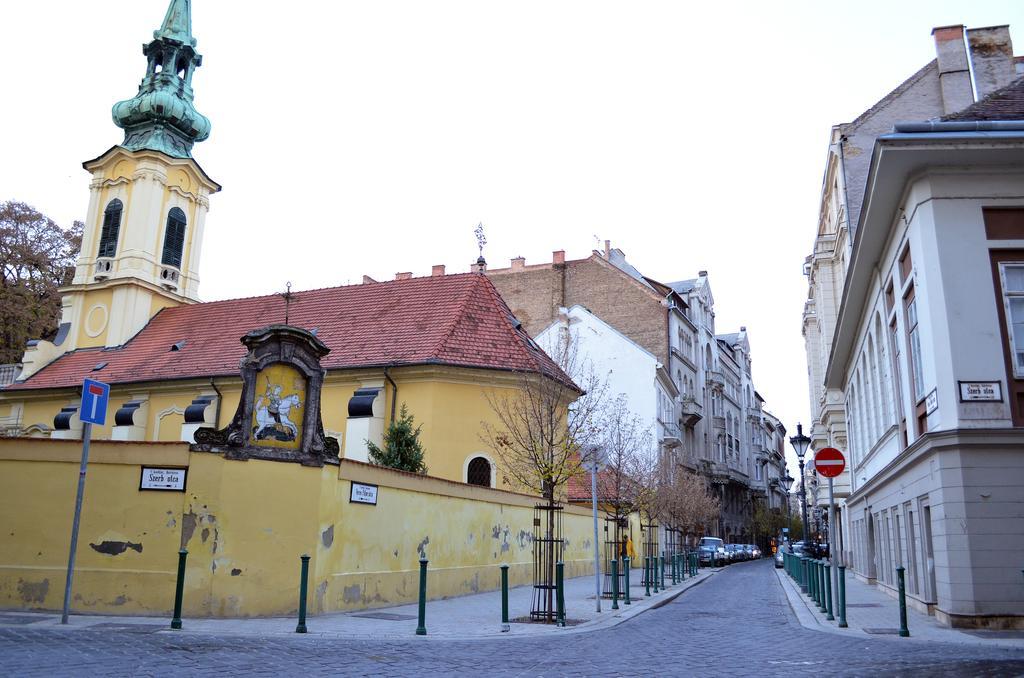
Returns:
<point x="220" y="398"/>
<point x="394" y="392"/>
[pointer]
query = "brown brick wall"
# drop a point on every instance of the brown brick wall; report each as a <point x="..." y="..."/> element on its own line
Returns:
<point x="535" y="293"/>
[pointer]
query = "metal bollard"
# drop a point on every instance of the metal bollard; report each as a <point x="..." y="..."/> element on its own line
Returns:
<point x="647" y="575"/>
<point x="560" y="593"/>
<point x="504" y="598"/>
<point x="303" y="590"/>
<point x="673" y="561"/>
<point x="615" y="584"/>
<point x="828" y="590"/>
<point x="821" y="586"/>
<point x="179" y="589"/>
<point x="904" y="631"/>
<point x="654" y="571"/>
<point x="842" y="597"/>
<point x="803" y="574"/>
<point x="421" y="629"/>
<point x="663" y="571"/>
<point x="626" y="597"/>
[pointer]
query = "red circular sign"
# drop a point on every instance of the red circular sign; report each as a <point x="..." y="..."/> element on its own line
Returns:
<point x="829" y="462"/>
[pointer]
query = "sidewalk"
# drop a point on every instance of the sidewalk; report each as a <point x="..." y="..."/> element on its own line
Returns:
<point x="871" y="613"/>
<point x="471" y="616"/>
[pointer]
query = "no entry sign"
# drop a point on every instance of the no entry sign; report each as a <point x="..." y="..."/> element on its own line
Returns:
<point x="829" y="462"/>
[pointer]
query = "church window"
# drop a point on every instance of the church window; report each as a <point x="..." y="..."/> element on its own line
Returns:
<point x="110" y="228"/>
<point x="479" y="472"/>
<point x="174" y="238"/>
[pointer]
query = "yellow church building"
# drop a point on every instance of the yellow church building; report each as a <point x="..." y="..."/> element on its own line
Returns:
<point x="132" y="318"/>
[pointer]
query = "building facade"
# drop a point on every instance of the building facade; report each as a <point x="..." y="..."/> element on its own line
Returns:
<point x="911" y="300"/>
<point x="696" y="391"/>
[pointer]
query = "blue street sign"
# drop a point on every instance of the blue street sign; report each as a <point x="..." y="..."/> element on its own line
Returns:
<point x="94" y="402"/>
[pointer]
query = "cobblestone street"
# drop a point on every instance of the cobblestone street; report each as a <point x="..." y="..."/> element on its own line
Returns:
<point x="737" y="623"/>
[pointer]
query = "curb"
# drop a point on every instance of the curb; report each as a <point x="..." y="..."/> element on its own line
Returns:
<point x="605" y="621"/>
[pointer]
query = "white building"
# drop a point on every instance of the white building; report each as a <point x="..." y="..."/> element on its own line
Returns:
<point x="911" y="328"/>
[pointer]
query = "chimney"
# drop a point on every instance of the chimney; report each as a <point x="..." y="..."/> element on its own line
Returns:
<point x="1018" y="63"/>
<point x="558" y="257"/>
<point x="437" y="270"/>
<point x="519" y="263"/>
<point x="480" y="266"/>
<point x="702" y="274"/>
<point x="607" y="249"/>
<point x="403" y="276"/>
<point x="991" y="58"/>
<point x="367" y="279"/>
<point x="954" y="73"/>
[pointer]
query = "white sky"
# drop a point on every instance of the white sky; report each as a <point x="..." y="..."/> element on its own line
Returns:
<point x="371" y="137"/>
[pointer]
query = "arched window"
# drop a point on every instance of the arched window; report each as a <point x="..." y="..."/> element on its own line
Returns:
<point x="111" y="226"/>
<point x="479" y="472"/>
<point x="174" y="238"/>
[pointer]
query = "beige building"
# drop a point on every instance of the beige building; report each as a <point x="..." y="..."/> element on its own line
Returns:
<point x="910" y="330"/>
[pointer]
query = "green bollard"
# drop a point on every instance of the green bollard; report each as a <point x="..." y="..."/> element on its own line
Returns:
<point x="179" y="589"/>
<point x="504" y="598"/>
<point x="663" y="571"/>
<point x="803" y="574"/>
<point x="626" y="597"/>
<point x="421" y="629"/>
<point x="647" y="575"/>
<point x="560" y="593"/>
<point x="615" y="584"/>
<point x="821" y="586"/>
<point x="904" y="631"/>
<point x="672" y="568"/>
<point x="695" y="559"/>
<point x="654" y="571"/>
<point x="828" y="590"/>
<point x="842" y="597"/>
<point x="683" y="565"/>
<point x="303" y="590"/>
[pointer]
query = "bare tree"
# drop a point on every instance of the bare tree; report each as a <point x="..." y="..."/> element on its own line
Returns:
<point x="36" y="258"/>
<point x="543" y="425"/>
<point x="685" y="503"/>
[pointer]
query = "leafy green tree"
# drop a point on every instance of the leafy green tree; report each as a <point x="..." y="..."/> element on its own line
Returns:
<point x="402" y="447"/>
<point x="36" y="258"/>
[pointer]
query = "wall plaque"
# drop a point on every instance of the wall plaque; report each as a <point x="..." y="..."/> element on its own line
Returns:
<point x="931" y="402"/>
<point x="169" y="479"/>
<point x="971" y="391"/>
<point x="362" y="493"/>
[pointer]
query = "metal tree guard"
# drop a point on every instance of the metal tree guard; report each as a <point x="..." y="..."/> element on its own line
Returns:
<point x="548" y="546"/>
<point x="650" y="532"/>
<point x="614" y="548"/>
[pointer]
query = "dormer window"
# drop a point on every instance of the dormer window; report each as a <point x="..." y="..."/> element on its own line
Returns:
<point x="174" y="238"/>
<point x="110" y="228"/>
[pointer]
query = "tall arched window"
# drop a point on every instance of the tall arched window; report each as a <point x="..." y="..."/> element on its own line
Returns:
<point x="174" y="238"/>
<point x="111" y="226"/>
<point x="479" y="472"/>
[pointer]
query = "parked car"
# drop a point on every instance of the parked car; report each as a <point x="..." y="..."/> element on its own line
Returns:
<point x="753" y="552"/>
<point x="735" y="553"/>
<point x="710" y="549"/>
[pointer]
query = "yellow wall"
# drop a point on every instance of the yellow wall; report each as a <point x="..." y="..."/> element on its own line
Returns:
<point x="128" y="540"/>
<point x="245" y="524"/>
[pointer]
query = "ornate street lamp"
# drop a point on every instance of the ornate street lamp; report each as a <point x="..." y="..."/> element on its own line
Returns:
<point x="800" y="443"/>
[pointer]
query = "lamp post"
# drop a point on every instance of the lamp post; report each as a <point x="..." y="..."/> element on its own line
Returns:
<point x="800" y="443"/>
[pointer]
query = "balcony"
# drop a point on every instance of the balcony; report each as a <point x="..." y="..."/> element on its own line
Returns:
<point x="716" y="377"/>
<point x="671" y="436"/>
<point x="718" y="422"/>
<point x="691" y="412"/>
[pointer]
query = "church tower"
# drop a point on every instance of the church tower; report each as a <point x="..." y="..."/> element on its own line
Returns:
<point x="147" y="206"/>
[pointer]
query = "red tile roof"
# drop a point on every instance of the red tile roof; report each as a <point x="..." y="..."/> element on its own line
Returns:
<point x="1006" y="103"/>
<point x="450" y="320"/>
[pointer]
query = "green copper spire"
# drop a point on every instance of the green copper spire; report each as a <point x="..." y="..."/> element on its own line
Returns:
<point x="161" y="116"/>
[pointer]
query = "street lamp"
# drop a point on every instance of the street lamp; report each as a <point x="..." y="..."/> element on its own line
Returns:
<point x="800" y="443"/>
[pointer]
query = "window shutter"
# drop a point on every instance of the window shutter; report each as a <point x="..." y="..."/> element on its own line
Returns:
<point x="174" y="238"/>
<point x="111" y="226"/>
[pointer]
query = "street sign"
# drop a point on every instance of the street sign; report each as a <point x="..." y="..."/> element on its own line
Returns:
<point x="94" y="402"/>
<point x="829" y="462"/>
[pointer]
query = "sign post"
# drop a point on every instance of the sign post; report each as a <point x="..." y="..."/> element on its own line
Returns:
<point x="594" y="464"/>
<point x="93" y="410"/>
<point x="830" y="462"/>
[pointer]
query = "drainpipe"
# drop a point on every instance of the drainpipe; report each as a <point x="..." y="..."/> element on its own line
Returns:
<point x="220" y="398"/>
<point x="394" y="392"/>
